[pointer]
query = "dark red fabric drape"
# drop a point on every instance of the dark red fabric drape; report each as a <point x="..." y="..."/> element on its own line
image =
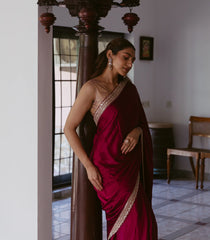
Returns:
<point x="120" y="172"/>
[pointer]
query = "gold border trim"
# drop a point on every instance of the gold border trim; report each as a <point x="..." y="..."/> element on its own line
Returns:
<point x="107" y="100"/>
<point x="126" y="209"/>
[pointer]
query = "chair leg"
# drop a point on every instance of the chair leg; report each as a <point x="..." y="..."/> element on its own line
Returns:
<point x="168" y="167"/>
<point x="202" y="171"/>
<point x="192" y="166"/>
<point x="197" y="171"/>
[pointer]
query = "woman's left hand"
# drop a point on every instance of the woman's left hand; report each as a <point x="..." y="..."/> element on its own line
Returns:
<point x="131" y="140"/>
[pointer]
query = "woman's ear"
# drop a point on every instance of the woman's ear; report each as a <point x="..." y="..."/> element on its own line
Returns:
<point x="109" y="54"/>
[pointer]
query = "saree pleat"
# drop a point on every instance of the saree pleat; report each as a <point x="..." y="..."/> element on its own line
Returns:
<point x="126" y="202"/>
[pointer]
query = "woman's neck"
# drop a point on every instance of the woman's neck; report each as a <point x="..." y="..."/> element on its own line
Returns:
<point x="109" y="76"/>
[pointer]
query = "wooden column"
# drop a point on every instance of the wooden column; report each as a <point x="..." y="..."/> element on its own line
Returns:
<point x="86" y="214"/>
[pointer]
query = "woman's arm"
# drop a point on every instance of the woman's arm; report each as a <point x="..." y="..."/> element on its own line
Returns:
<point x="79" y="109"/>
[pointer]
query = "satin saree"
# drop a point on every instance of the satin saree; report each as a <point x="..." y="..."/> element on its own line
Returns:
<point x="127" y="178"/>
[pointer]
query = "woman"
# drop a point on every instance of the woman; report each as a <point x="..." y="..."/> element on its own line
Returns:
<point x="120" y="165"/>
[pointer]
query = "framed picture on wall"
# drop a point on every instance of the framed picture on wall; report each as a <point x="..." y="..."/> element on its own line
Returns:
<point x="146" y="48"/>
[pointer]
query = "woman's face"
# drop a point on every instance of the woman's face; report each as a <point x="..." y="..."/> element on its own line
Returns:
<point x="123" y="61"/>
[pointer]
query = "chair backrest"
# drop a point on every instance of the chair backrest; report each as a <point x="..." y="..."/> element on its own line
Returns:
<point x="198" y="126"/>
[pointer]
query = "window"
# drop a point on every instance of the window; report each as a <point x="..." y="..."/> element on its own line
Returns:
<point x="65" y="55"/>
<point x="65" y="58"/>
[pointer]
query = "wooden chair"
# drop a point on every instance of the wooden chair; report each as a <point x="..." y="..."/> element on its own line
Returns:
<point x="198" y="126"/>
<point x="203" y="156"/>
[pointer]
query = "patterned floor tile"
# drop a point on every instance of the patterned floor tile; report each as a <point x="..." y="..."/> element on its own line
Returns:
<point x="201" y="233"/>
<point x="196" y="214"/>
<point x="169" y="226"/>
<point x="173" y="209"/>
<point x="182" y="212"/>
<point x="201" y="198"/>
<point x="62" y="228"/>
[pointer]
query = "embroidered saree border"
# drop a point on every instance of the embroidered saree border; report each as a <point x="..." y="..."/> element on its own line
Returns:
<point x="110" y="98"/>
<point x="126" y="209"/>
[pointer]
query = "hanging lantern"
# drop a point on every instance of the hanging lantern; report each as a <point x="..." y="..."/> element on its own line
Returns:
<point x="130" y="19"/>
<point x="47" y="19"/>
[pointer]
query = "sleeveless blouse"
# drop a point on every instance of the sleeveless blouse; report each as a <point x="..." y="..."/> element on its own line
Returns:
<point x="101" y="93"/>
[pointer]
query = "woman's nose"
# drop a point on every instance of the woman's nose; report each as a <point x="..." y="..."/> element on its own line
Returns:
<point x="130" y="63"/>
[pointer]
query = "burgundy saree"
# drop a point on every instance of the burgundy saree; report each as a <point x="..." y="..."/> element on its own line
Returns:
<point x="126" y="201"/>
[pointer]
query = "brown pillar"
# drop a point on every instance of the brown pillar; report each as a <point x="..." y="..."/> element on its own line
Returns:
<point x="86" y="217"/>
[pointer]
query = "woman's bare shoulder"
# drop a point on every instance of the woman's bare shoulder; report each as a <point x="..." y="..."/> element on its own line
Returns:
<point x="89" y="86"/>
<point x="92" y="85"/>
<point x="89" y="89"/>
<point x="93" y="82"/>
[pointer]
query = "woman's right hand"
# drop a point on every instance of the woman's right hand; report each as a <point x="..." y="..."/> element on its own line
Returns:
<point x="94" y="177"/>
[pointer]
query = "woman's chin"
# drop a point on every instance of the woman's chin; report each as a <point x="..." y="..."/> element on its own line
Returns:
<point x="123" y="74"/>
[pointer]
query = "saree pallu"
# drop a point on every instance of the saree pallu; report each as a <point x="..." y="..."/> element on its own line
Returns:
<point x="126" y="201"/>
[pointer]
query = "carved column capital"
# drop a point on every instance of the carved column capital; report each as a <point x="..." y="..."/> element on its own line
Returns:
<point x="101" y="7"/>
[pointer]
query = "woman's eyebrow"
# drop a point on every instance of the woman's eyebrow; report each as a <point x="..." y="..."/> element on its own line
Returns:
<point x="130" y="55"/>
<point x="127" y="53"/>
<point x="133" y="59"/>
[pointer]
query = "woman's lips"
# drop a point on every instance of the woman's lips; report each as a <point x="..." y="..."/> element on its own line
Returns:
<point x="126" y="69"/>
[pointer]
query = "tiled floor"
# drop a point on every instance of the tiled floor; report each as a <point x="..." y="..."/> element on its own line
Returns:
<point x="182" y="212"/>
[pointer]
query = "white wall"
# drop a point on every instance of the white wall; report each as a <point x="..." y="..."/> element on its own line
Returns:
<point x="144" y="71"/>
<point x="182" y="65"/>
<point x="26" y="186"/>
<point x="18" y="104"/>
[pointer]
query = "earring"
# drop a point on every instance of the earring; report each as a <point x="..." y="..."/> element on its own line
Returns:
<point x="110" y="63"/>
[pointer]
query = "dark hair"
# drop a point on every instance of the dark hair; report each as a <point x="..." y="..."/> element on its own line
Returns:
<point x="115" y="45"/>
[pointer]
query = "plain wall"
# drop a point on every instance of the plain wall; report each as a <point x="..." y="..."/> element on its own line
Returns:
<point x="18" y="104"/>
<point x="26" y="124"/>
<point x="144" y="71"/>
<point x="182" y="66"/>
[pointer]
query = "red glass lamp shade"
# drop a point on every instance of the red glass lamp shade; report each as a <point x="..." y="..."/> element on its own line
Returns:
<point x="130" y="19"/>
<point x="47" y="19"/>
